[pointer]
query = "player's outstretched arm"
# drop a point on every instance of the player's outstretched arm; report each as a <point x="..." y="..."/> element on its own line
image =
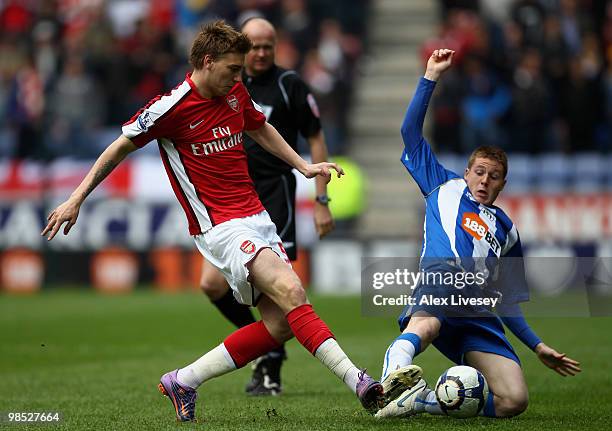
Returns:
<point x="418" y="157"/>
<point x="412" y="126"/>
<point x="556" y="361"/>
<point x="69" y="210"/>
<point x="269" y="138"/>
<point x="513" y="318"/>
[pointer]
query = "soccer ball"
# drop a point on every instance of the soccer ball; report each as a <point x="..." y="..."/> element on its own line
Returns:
<point x="462" y="391"/>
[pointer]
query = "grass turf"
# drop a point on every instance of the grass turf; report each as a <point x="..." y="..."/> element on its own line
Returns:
<point x="97" y="360"/>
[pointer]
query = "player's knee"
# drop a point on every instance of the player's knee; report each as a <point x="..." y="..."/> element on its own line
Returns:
<point x="512" y="405"/>
<point x="427" y="328"/>
<point x="212" y="288"/>
<point x="289" y="290"/>
<point x="431" y="333"/>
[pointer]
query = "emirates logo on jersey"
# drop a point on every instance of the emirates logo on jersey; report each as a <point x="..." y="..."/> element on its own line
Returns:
<point x="247" y="247"/>
<point x="232" y="101"/>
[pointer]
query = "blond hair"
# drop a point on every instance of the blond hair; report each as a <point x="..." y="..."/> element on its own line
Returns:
<point x="217" y="39"/>
<point x="491" y="153"/>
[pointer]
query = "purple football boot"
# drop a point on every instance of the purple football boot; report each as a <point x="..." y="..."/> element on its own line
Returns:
<point x="369" y="392"/>
<point x="183" y="398"/>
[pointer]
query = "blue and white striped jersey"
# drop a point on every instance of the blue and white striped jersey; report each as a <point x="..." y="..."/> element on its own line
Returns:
<point x="459" y="232"/>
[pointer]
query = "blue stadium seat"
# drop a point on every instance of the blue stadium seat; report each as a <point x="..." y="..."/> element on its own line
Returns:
<point x="608" y="171"/>
<point x="553" y="173"/>
<point x="522" y="169"/>
<point x="589" y="172"/>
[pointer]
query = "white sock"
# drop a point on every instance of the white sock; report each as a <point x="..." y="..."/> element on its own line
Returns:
<point x="427" y="402"/>
<point x="398" y="355"/>
<point x="333" y="357"/>
<point x="213" y="364"/>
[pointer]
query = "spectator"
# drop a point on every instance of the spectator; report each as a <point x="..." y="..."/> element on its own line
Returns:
<point x="556" y="52"/>
<point x="298" y="24"/>
<point x="531" y="107"/>
<point x="324" y="86"/>
<point x="73" y="112"/>
<point x="606" y="129"/>
<point x="25" y="108"/>
<point x="486" y="101"/>
<point x="133" y="50"/>
<point x="446" y="108"/>
<point x="580" y="106"/>
<point x="547" y="90"/>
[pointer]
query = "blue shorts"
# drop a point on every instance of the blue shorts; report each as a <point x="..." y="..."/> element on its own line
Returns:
<point x="483" y="332"/>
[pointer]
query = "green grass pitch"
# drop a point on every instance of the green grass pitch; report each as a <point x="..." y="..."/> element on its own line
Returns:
<point x="97" y="360"/>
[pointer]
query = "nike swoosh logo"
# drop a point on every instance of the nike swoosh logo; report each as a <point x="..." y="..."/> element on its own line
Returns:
<point x="400" y="403"/>
<point x="193" y="126"/>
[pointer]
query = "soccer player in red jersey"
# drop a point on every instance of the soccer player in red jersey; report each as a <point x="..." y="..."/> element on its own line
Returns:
<point x="291" y="108"/>
<point x="199" y="129"/>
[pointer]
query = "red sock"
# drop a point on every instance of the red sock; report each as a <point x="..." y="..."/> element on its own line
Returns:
<point x="308" y="328"/>
<point x="249" y="342"/>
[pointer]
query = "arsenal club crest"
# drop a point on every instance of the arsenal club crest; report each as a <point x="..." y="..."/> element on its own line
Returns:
<point x="247" y="247"/>
<point x="232" y="101"/>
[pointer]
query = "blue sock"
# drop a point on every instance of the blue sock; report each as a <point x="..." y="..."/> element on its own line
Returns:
<point x="489" y="407"/>
<point x="401" y="352"/>
<point x="414" y="339"/>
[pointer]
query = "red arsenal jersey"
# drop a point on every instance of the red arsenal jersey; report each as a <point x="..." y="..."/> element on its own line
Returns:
<point x="200" y="142"/>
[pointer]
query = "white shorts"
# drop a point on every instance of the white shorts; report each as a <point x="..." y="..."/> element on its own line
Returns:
<point x="232" y="245"/>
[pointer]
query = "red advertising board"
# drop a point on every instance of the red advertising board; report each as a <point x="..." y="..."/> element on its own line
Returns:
<point x="564" y="217"/>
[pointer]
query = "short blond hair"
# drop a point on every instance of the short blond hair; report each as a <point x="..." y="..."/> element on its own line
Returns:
<point x="217" y="39"/>
<point x="491" y="153"/>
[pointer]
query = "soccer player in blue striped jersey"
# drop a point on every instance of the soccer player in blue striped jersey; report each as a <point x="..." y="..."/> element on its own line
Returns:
<point x="463" y="233"/>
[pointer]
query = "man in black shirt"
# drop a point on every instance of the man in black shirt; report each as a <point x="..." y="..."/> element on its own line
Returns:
<point x="290" y="107"/>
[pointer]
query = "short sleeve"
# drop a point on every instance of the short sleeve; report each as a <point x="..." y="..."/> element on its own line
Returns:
<point x="254" y="117"/>
<point x="141" y="128"/>
<point x="304" y="107"/>
<point x="154" y="121"/>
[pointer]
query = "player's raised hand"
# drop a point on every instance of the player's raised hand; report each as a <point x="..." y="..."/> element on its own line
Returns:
<point x="322" y="169"/>
<point x="439" y="61"/>
<point x="556" y="361"/>
<point x="67" y="212"/>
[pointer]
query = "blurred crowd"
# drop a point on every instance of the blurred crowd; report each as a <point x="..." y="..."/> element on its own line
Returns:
<point x="72" y="71"/>
<point x="534" y="75"/>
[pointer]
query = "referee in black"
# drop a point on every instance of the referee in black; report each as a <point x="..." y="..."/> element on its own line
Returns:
<point x="290" y="107"/>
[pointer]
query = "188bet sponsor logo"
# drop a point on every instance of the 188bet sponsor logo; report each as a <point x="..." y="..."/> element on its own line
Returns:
<point x="473" y="224"/>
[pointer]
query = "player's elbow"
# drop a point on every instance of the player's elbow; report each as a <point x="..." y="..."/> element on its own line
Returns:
<point x="122" y="146"/>
<point x="410" y="136"/>
<point x="512" y="405"/>
<point x="406" y="130"/>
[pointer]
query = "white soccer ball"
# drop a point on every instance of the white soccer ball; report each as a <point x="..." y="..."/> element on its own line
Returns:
<point x="462" y="391"/>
